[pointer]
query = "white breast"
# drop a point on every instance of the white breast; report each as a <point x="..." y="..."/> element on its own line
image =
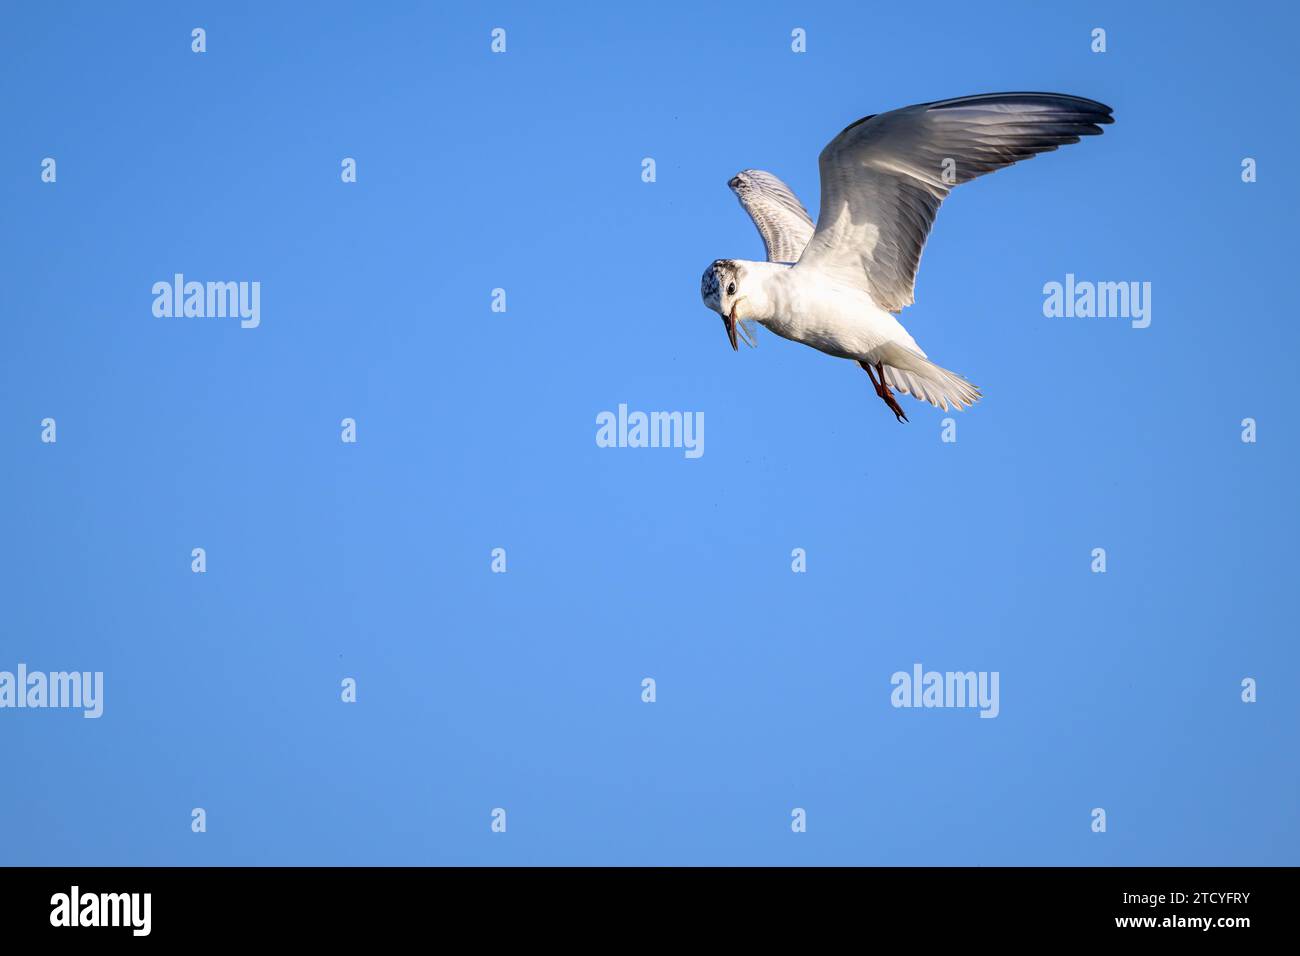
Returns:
<point x="835" y="319"/>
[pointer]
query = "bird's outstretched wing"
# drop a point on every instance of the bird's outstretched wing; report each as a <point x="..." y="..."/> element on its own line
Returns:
<point x="884" y="177"/>
<point x="781" y="219"/>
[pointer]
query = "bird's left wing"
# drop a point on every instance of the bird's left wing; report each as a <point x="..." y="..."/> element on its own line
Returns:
<point x="781" y="219"/>
<point x="884" y="177"/>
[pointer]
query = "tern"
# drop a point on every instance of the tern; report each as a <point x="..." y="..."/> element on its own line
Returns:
<point x="838" y="287"/>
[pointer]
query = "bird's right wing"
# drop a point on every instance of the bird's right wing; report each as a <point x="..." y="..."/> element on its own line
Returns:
<point x="781" y="219"/>
<point x="884" y="177"/>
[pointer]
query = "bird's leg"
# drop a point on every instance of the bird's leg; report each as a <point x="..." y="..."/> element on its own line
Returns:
<point x="889" y="396"/>
<point x="883" y="390"/>
<point x="871" y="372"/>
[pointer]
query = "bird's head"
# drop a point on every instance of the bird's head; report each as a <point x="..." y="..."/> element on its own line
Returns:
<point x="720" y="288"/>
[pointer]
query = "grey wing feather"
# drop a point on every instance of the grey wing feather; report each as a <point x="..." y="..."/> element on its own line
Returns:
<point x="884" y="177"/>
<point x="781" y="219"/>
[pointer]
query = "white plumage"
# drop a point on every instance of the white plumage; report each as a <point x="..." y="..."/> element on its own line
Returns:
<point x="882" y="181"/>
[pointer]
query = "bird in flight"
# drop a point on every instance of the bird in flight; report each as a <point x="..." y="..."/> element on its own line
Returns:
<point x="838" y="287"/>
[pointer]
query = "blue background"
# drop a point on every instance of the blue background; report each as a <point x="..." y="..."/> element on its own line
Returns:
<point x="476" y="431"/>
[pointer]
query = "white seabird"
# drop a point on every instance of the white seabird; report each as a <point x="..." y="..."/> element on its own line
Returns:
<point x="883" y="178"/>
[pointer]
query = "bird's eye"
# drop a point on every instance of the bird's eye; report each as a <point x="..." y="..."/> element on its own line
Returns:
<point x="731" y="289"/>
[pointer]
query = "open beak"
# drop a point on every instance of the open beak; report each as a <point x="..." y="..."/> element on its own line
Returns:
<point x="730" y="322"/>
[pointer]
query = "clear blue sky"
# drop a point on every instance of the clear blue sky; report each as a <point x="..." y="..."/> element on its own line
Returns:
<point x="476" y="431"/>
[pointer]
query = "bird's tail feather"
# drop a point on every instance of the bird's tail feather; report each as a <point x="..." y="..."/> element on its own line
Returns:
<point x="915" y="375"/>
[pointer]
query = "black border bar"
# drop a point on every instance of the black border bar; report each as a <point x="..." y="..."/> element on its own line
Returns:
<point x="369" y="904"/>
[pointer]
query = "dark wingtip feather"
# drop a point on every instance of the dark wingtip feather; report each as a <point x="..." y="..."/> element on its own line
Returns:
<point x="1101" y="113"/>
